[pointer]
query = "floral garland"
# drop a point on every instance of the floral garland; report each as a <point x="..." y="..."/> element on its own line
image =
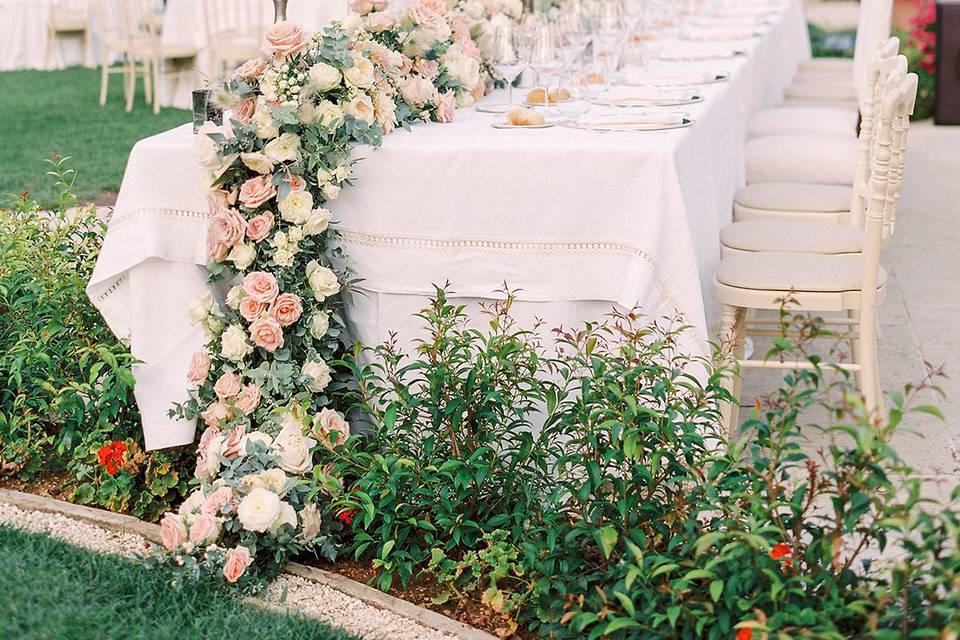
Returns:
<point x="264" y="384"/>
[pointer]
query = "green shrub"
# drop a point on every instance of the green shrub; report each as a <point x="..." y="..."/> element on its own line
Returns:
<point x="627" y="514"/>
<point x="66" y="389"/>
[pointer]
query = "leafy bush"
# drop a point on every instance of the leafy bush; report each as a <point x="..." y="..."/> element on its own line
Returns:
<point x="66" y="389"/>
<point x="627" y="514"/>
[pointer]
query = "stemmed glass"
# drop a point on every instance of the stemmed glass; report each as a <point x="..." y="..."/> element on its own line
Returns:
<point x="546" y="56"/>
<point x="608" y="36"/>
<point x="508" y="61"/>
<point x="574" y="36"/>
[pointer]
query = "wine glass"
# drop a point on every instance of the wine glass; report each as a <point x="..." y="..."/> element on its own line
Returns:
<point x="546" y="56"/>
<point x="507" y="59"/>
<point x="609" y="29"/>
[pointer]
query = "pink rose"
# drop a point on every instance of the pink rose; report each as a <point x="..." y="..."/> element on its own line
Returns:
<point x="259" y="226"/>
<point x="461" y="32"/>
<point x="257" y="191"/>
<point x="199" y="367"/>
<point x="261" y="286"/>
<point x="204" y="528"/>
<point x="446" y="106"/>
<point x="216" y="251"/>
<point x="227" y="227"/>
<point x="417" y="91"/>
<point x="172" y="532"/>
<point x="266" y="333"/>
<point x="426" y="12"/>
<point x="427" y="68"/>
<point x="283" y="38"/>
<point x="250" y="309"/>
<point x="207" y="436"/>
<point x="228" y="385"/>
<point x="329" y="421"/>
<point x="245" y="111"/>
<point x="233" y="443"/>
<point x="217" y="501"/>
<point x="286" y="309"/>
<point x="380" y="21"/>
<point x="252" y="69"/>
<point x="361" y="7"/>
<point x="249" y="399"/>
<point x="237" y="561"/>
<point x="216" y="414"/>
<point x="471" y="49"/>
<point x="221" y="200"/>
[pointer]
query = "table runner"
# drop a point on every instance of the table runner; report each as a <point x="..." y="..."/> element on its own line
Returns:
<point x="577" y="220"/>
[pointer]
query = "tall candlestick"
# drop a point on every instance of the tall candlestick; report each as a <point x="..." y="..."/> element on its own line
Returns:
<point x="279" y="10"/>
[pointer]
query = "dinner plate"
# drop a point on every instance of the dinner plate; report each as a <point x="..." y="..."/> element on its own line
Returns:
<point x="507" y="125"/>
<point x="641" y="102"/>
<point x="622" y="128"/>
<point x="695" y="56"/>
<point x="719" y="76"/>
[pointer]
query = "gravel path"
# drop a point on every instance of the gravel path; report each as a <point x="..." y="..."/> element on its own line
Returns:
<point x="286" y="592"/>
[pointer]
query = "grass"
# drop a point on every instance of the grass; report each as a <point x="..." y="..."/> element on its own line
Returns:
<point x="50" y="589"/>
<point x="58" y="111"/>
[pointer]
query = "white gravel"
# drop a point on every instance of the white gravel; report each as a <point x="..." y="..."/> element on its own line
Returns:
<point x="288" y="592"/>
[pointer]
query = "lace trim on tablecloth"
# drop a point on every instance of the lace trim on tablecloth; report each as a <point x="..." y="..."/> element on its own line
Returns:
<point x="128" y="217"/>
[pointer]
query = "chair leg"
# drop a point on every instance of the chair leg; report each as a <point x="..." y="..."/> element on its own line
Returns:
<point x="130" y="80"/>
<point x="156" y="86"/>
<point x="869" y="363"/>
<point x="731" y="339"/>
<point x="148" y="84"/>
<point x="104" y="81"/>
<point x="856" y="352"/>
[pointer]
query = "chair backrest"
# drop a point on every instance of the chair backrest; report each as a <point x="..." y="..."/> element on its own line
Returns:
<point x="873" y="29"/>
<point x="236" y="20"/>
<point x="886" y="174"/>
<point x="74" y="7"/>
<point x="109" y="21"/>
<point x="881" y="68"/>
<point x="137" y="18"/>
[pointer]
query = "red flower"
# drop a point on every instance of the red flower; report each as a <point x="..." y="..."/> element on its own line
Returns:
<point x="782" y="551"/>
<point x="745" y="633"/>
<point x="346" y="517"/>
<point x="111" y="455"/>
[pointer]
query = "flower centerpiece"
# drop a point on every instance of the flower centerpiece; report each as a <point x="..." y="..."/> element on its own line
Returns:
<point x="265" y="386"/>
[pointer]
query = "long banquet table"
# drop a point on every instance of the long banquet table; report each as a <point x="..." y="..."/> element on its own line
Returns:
<point x="577" y="221"/>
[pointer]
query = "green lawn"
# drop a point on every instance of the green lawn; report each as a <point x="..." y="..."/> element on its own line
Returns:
<point x="57" y="111"/>
<point x="52" y="590"/>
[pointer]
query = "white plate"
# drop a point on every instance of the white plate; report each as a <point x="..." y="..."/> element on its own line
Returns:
<point x="507" y="125"/>
<point x="694" y="56"/>
<point x="719" y="76"/>
<point x="648" y="103"/>
<point x="628" y="128"/>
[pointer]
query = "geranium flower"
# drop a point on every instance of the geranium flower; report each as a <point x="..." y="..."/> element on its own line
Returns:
<point x="111" y="456"/>
<point x="781" y="551"/>
<point x="346" y="517"/>
<point x="746" y="633"/>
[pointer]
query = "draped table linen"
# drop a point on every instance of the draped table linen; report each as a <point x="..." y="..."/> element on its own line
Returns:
<point x="576" y="221"/>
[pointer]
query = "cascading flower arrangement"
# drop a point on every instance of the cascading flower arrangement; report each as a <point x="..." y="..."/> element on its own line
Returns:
<point x="265" y="390"/>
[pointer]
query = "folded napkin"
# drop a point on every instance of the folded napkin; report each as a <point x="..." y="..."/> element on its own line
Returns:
<point x="717" y="33"/>
<point x="626" y="96"/>
<point x="595" y="118"/>
<point x="676" y="79"/>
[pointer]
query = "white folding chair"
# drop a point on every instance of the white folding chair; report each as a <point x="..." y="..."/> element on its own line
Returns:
<point x="851" y="283"/>
<point x="71" y="18"/>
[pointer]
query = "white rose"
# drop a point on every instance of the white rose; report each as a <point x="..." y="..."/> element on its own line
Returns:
<point x="462" y="67"/>
<point x="318" y="372"/>
<point x="296" y="206"/>
<point x="207" y="151"/>
<point x="267" y="129"/>
<point x="234" y="296"/>
<point x="328" y="113"/>
<point x="293" y="449"/>
<point x="234" y="345"/>
<point x="258" y="510"/>
<point x="351" y="24"/>
<point x="319" y="325"/>
<point x="242" y="256"/>
<point x="323" y="176"/>
<point x="257" y="162"/>
<point x="287" y="516"/>
<point x="283" y="258"/>
<point x="296" y="233"/>
<point x="323" y="281"/>
<point x="341" y="173"/>
<point x="465" y="99"/>
<point x="274" y="479"/>
<point x="422" y="38"/>
<point x="192" y="504"/>
<point x="317" y="222"/>
<point x="361" y="73"/>
<point x="283" y="149"/>
<point x="474" y="9"/>
<point x="361" y="108"/>
<point x="324" y="77"/>
<point x="310" y="522"/>
<point x="331" y="191"/>
<point x="279" y="240"/>
<point x="200" y="308"/>
<point x="385" y="111"/>
<point x="513" y="8"/>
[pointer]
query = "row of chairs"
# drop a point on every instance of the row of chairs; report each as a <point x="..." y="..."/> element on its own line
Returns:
<point x="131" y="31"/>
<point x="818" y="241"/>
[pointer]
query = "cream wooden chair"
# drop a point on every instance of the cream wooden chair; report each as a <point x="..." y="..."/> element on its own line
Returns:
<point x="115" y="44"/>
<point x="816" y="119"/>
<point x="850" y="283"/>
<point x="828" y="237"/>
<point x="840" y="90"/>
<point x="799" y="201"/>
<point x="68" y="17"/>
<point x="234" y="31"/>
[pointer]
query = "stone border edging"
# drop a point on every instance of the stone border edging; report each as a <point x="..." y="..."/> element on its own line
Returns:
<point x="362" y="592"/>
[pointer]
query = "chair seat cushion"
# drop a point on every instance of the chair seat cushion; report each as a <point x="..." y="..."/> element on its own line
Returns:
<point x="820" y="89"/>
<point x="796" y="196"/>
<point x="829" y="65"/>
<point x="849" y="105"/>
<point x="788" y="120"/>
<point x="817" y="159"/>
<point x="779" y="271"/>
<point x="792" y="237"/>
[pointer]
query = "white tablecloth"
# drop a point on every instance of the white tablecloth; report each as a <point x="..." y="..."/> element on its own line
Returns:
<point x="577" y="220"/>
<point x="184" y="24"/>
<point x="23" y="38"/>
